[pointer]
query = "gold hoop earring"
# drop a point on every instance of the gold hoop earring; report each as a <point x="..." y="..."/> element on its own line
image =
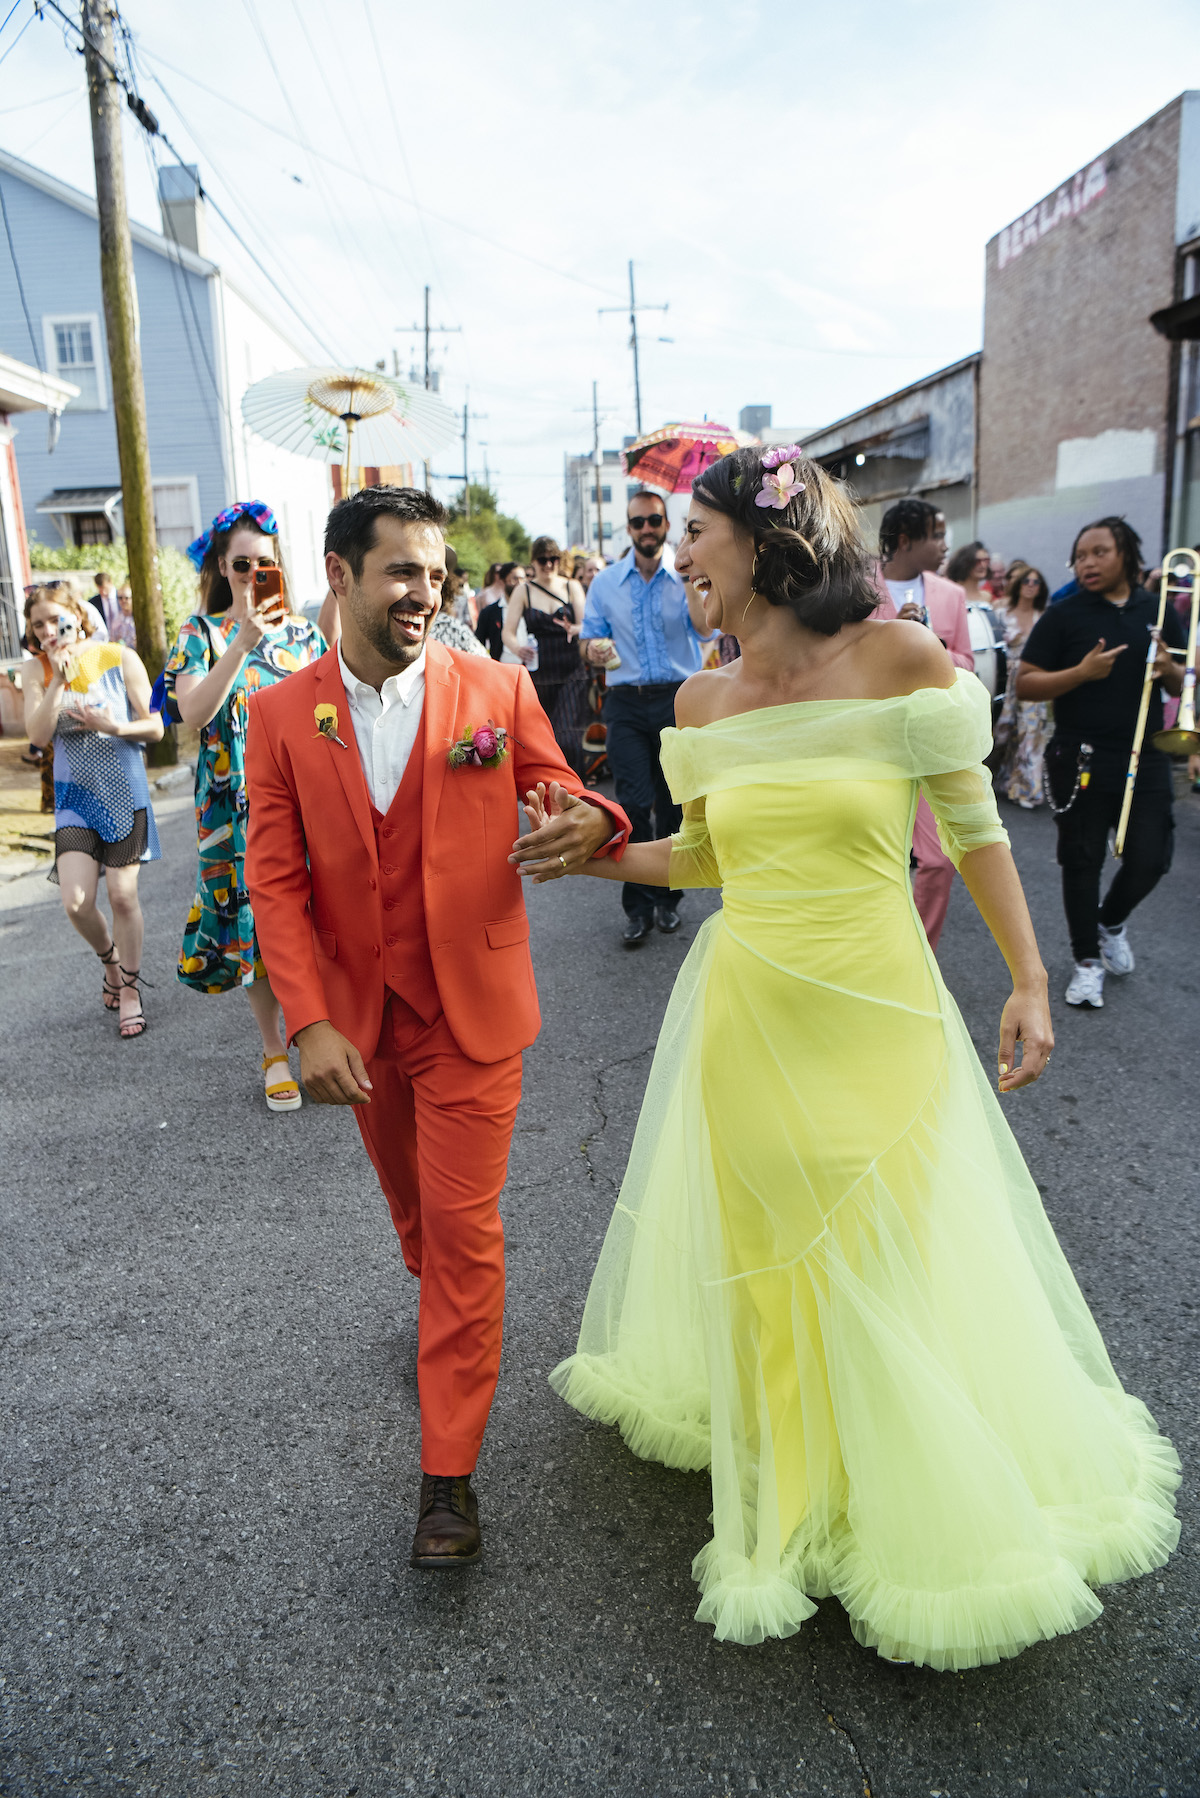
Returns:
<point x="749" y="603"/>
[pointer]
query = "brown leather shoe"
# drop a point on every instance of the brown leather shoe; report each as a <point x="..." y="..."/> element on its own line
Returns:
<point x="448" y="1523"/>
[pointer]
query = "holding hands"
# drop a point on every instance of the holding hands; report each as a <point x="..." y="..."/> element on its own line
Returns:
<point x="566" y="834"/>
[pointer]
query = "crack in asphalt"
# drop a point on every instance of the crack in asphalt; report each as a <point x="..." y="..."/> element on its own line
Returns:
<point x="593" y="1136"/>
<point x="840" y="1728"/>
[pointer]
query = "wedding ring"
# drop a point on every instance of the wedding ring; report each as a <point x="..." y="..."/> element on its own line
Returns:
<point x="563" y="860"/>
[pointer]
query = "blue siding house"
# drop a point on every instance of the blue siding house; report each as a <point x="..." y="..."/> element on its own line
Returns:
<point x="202" y="343"/>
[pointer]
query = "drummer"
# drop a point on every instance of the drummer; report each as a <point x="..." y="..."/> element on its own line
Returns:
<point x="1088" y="655"/>
<point x="912" y="546"/>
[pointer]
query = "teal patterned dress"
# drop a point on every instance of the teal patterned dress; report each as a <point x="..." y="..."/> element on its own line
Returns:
<point x="219" y="948"/>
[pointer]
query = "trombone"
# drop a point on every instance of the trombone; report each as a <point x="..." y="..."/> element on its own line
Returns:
<point x="1180" y="574"/>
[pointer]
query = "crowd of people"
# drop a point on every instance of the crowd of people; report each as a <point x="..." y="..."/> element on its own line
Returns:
<point x="610" y="641"/>
<point x="796" y="721"/>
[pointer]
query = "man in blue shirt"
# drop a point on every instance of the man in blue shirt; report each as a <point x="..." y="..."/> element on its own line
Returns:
<point x="641" y="608"/>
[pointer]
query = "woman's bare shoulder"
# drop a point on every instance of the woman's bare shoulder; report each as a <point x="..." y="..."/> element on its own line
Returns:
<point x="900" y="656"/>
<point x="703" y="697"/>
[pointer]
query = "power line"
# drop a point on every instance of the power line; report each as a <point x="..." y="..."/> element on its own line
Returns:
<point x="382" y="66"/>
<point x="347" y="249"/>
<point x="391" y="192"/>
<point x="25" y="27"/>
<point x="151" y="126"/>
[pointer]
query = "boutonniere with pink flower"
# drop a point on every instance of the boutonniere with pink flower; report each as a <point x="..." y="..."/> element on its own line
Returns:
<point x="326" y="720"/>
<point x="779" y="483"/>
<point x="485" y="745"/>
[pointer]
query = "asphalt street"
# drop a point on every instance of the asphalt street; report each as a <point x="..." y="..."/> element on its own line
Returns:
<point x="210" y="1419"/>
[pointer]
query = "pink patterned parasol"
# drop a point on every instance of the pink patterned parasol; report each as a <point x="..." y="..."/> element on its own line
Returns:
<point x="673" y="457"/>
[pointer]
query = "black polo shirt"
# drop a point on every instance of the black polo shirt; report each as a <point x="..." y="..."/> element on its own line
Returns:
<point x="1104" y="712"/>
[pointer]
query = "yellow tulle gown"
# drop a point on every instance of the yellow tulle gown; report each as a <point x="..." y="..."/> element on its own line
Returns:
<point x="829" y="1277"/>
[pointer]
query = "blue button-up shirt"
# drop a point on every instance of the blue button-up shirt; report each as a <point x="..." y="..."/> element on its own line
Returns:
<point x="647" y="620"/>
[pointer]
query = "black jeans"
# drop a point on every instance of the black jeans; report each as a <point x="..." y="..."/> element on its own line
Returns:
<point x="635" y="718"/>
<point x="1083" y="846"/>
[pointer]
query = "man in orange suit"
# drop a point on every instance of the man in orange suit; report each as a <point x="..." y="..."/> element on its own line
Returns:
<point x="384" y="782"/>
<point x="912" y="545"/>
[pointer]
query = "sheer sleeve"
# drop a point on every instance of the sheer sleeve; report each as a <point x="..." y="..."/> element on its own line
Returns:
<point x="693" y="859"/>
<point x="964" y="809"/>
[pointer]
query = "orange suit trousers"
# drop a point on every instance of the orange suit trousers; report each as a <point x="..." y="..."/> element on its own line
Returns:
<point x="438" y="1131"/>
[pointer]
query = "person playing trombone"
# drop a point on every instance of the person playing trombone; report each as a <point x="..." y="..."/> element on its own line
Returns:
<point x="1089" y="654"/>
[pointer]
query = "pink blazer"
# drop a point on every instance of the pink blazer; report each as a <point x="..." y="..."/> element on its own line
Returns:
<point x="947" y="603"/>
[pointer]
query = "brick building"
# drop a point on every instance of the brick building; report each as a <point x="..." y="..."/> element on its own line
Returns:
<point x="1085" y="399"/>
<point x="1078" y="390"/>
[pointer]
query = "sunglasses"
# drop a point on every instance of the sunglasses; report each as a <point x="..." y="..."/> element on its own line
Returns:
<point x="547" y="561"/>
<point x="640" y="521"/>
<point x="243" y="564"/>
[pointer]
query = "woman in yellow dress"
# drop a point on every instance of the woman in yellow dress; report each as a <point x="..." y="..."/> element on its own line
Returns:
<point x="829" y="1277"/>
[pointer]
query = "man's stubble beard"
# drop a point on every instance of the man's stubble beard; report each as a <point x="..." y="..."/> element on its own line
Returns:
<point x="377" y="632"/>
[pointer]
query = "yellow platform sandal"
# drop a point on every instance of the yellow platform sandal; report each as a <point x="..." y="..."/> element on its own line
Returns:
<point x="281" y="1095"/>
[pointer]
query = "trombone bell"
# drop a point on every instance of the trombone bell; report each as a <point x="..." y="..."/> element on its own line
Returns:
<point x="1184" y="738"/>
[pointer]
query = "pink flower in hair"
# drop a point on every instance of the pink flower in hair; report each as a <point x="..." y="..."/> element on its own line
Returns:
<point x="779" y="487"/>
<point x="788" y="452"/>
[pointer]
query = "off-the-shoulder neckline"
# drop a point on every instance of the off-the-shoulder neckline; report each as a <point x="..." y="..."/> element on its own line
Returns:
<point x="807" y="705"/>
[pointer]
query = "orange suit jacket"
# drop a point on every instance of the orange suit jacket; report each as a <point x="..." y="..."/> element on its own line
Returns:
<point x="312" y="865"/>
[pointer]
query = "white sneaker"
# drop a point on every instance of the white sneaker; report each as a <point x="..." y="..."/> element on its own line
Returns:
<point x="1115" y="952"/>
<point x="1087" y="985"/>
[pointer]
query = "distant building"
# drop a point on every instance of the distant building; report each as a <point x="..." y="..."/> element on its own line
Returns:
<point x="920" y="440"/>
<point x="754" y="420"/>
<point x="580" y="493"/>
<point x="1086" y="397"/>
<point x="1085" y="407"/>
<point x="203" y="342"/>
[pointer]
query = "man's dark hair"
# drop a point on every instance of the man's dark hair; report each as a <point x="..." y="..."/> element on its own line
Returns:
<point x="350" y="527"/>
<point x="809" y="556"/>
<point x="505" y="569"/>
<point x="1129" y="545"/>
<point x="646" y="493"/>
<point x="912" y="518"/>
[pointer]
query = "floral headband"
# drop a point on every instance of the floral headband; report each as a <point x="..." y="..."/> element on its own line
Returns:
<point x="779" y="484"/>
<point x="260" y="517"/>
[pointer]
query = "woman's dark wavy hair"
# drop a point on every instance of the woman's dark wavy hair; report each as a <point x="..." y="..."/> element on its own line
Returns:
<point x="810" y="556"/>
<point x="962" y="563"/>
<point x="1017" y="576"/>
<point x="1128" y="543"/>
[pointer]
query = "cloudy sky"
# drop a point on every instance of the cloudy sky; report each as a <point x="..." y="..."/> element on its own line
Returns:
<point x="809" y="188"/>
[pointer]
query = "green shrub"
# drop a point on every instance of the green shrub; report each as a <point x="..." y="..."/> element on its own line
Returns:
<point x="178" y="577"/>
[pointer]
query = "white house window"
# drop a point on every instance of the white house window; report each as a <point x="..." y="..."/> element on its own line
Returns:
<point x="177" y="511"/>
<point x="73" y="352"/>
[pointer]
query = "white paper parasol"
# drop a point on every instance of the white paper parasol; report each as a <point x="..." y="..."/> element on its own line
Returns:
<point x="351" y="415"/>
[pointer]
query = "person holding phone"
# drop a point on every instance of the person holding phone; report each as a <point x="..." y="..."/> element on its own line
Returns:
<point x="244" y="637"/>
<point x="91" y="700"/>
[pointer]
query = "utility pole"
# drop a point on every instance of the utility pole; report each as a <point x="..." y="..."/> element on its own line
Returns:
<point x="634" y="309"/>
<point x="597" y="461"/>
<point x="124" y="356"/>
<point x="426" y="330"/>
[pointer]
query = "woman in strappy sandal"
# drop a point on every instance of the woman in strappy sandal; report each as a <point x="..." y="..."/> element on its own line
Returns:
<point x="92" y="701"/>
<point x="224" y="653"/>
<point x="551" y="608"/>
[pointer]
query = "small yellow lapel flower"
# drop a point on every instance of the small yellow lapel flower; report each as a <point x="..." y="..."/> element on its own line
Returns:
<point x="326" y="720"/>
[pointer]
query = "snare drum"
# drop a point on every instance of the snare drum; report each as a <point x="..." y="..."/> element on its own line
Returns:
<point x="987" y="647"/>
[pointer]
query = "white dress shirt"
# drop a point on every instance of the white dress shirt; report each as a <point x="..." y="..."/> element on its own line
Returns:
<point x="385" y="725"/>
